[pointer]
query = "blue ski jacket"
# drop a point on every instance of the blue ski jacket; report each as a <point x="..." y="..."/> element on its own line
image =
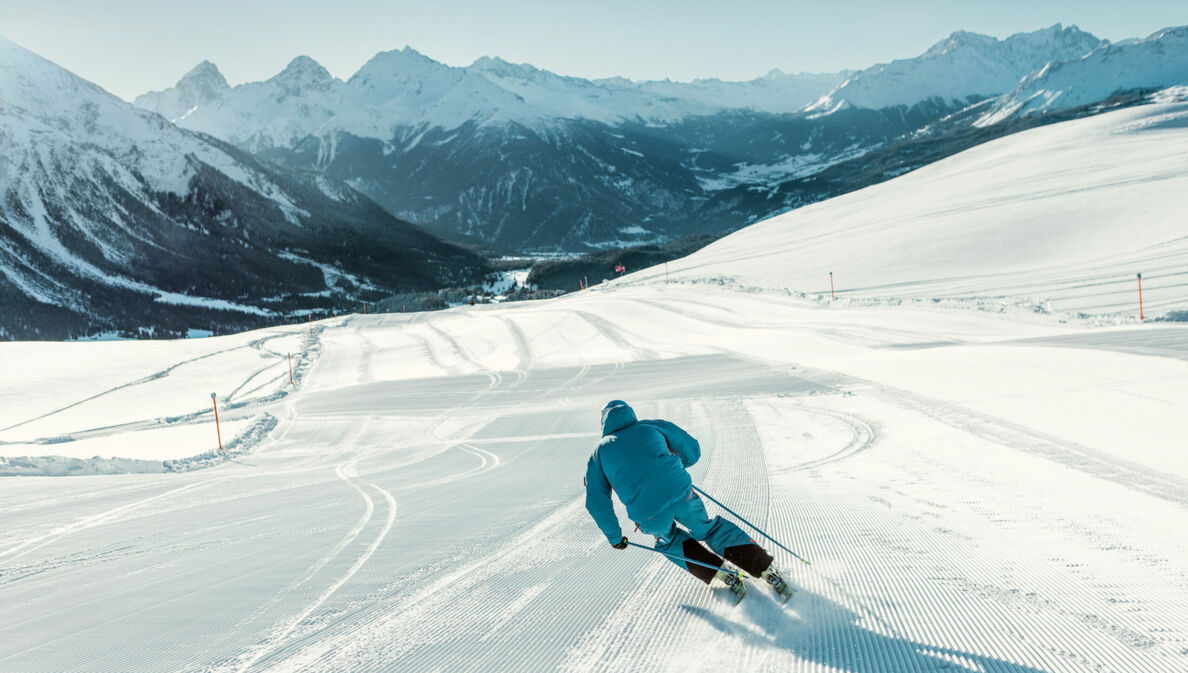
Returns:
<point x="643" y="461"/>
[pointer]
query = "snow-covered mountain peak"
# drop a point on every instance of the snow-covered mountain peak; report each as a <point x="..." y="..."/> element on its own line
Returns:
<point x="961" y="39"/>
<point x="506" y="74"/>
<point x="963" y="67"/>
<point x="301" y="73"/>
<point x="1065" y="43"/>
<point x="1155" y="62"/>
<point x="203" y="85"/>
<point x="401" y="64"/>
<point x="496" y="66"/>
<point x="204" y="76"/>
<point x="1172" y="32"/>
<point x="32" y="87"/>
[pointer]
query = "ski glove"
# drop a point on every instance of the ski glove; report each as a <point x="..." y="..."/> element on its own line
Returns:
<point x="622" y="544"/>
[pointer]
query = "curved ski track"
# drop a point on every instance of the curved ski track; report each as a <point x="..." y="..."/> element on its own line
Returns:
<point x="300" y="562"/>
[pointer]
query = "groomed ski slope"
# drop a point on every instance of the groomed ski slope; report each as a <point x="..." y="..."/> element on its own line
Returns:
<point x="995" y="490"/>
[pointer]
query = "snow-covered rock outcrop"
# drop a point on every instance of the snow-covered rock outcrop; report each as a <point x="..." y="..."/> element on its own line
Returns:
<point x="958" y="70"/>
<point x="1160" y="61"/>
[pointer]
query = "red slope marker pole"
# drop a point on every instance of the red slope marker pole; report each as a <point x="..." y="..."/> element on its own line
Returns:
<point x="311" y="324"/>
<point x="291" y="369"/>
<point x="218" y="433"/>
<point x="666" y="273"/>
<point x="1140" y="282"/>
<point x="831" y="295"/>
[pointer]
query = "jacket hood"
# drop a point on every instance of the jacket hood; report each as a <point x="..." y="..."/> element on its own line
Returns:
<point x="616" y="415"/>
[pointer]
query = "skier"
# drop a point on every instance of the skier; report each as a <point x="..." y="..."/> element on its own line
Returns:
<point x="644" y="462"/>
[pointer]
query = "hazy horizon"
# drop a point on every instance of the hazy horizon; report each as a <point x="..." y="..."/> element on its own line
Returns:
<point x="130" y="47"/>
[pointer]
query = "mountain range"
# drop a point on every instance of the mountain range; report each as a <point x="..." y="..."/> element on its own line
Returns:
<point x="529" y="160"/>
<point x="112" y="219"/>
<point x="221" y="207"/>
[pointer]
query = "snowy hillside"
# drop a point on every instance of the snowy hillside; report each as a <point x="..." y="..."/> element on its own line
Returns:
<point x="958" y="71"/>
<point x="113" y="219"/>
<point x="976" y="489"/>
<point x="1057" y="219"/>
<point x="1157" y="62"/>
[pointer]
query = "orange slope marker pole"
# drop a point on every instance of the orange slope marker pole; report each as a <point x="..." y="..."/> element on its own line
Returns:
<point x="831" y="295"/>
<point x="218" y="433"/>
<point x="291" y="369"/>
<point x="1140" y="282"/>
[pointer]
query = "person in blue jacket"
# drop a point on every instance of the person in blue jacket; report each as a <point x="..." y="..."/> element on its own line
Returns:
<point x="645" y="463"/>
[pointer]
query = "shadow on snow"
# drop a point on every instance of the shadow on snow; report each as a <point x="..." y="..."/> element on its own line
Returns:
<point x="831" y="635"/>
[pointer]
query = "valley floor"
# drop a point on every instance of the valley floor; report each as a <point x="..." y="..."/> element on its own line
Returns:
<point x="998" y="493"/>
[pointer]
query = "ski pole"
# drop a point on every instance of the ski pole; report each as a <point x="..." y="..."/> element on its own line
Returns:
<point x="757" y="528"/>
<point x="684" y="558"/>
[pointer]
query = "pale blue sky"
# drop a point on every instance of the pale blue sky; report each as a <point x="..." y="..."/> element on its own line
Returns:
<point x="131" y="46"/>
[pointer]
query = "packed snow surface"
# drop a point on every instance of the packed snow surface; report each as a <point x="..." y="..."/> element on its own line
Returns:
<point x="977" y="490"/>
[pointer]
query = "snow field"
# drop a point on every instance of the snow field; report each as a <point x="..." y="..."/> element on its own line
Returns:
<point x="424" y="522"/>
<point x="1059" y="218"/>
<point x="166" y="443"/>
<point x="139" y="400"/>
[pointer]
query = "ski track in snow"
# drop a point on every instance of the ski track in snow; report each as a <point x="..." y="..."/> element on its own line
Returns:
<point x="975" y="492"/>
<point x="296" y="560"/>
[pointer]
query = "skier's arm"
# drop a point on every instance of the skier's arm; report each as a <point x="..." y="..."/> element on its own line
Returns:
<point x="679" y="442"/>
<point x="598" y="501"/>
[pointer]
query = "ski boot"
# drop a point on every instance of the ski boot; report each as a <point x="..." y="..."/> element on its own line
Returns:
<point x="783" y="588"/>
<point x="734" y="583"/>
